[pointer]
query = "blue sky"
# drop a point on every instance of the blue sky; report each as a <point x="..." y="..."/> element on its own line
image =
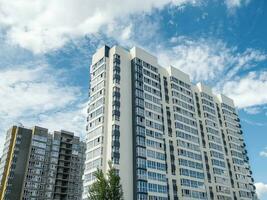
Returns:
<point x="46" y="49"/>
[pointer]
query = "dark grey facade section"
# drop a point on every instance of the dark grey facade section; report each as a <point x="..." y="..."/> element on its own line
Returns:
<point x="19" y="164"/>
<point x="139" y="169"/>
<point x="107" y="48"/>
<point x="68" y="184"/>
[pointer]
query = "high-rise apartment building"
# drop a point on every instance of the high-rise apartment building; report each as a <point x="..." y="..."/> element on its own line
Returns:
<point x="168" y="138"/>
<point x="36" y="165"/>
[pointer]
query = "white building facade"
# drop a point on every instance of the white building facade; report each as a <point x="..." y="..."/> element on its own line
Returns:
<point x="168" y="138"/>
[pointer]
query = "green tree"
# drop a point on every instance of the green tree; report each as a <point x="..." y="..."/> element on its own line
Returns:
<point x="106" y="187"/>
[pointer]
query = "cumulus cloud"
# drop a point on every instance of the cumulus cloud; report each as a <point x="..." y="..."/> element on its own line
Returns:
<point x="233" y="4"/>
<point x="39" y="96"/>
<point x="207" y="59"/>
<point x="261" y="189"/>
<point x="201" y="59"/>
<point x="264" y="153"/>
<point x="244" y="61"/>
<point x="30" y="90"/>
<point x="43" y="25"/>
<point x="250" y="90"/>
<point x="253" y="110"/>
<point x="254" y="123"/>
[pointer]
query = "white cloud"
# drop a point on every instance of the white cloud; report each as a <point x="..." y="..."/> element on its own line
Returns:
<point x="43" y="25"/>
<point x="27" y="91"/>
<point x="264" y="153"/>
<point x="253" y="110"/>
<point x="39" y="96"/>
<point x="254" y="123"/>
<point x="250" y="90"/>
<point x="261" y="189"/>
<point x="244" y="61"/>
<point x="201" y="59"/>
<point x="126" y="33"/>
<point x="232" y="4"/>
<point x="207" y="59"/>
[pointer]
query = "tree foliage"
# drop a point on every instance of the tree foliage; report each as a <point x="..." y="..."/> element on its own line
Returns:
<point x="106" y="187"/>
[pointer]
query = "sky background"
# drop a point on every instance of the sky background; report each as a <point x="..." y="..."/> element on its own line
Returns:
<point x="46" y="48"/>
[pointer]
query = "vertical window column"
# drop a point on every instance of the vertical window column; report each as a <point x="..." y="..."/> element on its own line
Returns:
<point x="139" y="147"/>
